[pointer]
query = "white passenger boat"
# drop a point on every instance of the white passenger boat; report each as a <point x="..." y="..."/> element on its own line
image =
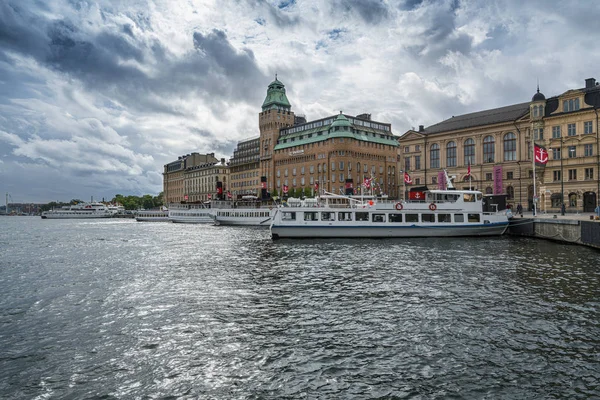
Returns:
<point x="249" y="211"/>
<point x="152" y="215"/>
<point x="442" y="213"/>
<point x="190" y="213"/>
<point x="79" y="211"/>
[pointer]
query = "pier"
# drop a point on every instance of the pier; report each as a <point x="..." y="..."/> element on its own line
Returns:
<point x="582" y="229"/>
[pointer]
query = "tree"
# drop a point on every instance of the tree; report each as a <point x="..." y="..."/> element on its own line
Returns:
<point x="274" y="193"/>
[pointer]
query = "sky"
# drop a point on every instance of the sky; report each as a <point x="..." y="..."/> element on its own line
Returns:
<point x="97" y="96"/>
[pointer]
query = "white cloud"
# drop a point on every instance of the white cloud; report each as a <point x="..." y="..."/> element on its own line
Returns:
<point x="95" y="99"/>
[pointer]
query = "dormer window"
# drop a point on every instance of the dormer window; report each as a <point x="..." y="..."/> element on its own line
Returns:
<point x="570" y="105"/>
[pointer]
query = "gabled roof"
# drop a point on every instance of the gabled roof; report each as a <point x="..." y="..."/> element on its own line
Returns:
<point x="480" y="118"/>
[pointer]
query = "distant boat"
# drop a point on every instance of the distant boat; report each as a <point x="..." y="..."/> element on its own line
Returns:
<point x="249" y="211"/>
<point x="152" y="215"/>
<point x="79" y="211"/>
<point x="190" y="213"/>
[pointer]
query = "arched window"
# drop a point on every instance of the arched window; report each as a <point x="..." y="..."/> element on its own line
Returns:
<point x="572" y="199"/>
<point x="451" y="154"/>
<point x="489" y="149"/>
<point x="469" y="152"/>
<point x="510" y="147"/>
<point x="357" y="167"/>
<point x="434" y="156"/>
<point x="510" y="192"/>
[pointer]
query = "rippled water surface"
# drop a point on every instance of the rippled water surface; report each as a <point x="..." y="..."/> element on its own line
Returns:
<point x="116" y="309"/>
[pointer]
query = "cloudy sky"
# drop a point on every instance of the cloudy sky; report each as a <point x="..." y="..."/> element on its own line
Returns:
<point x="97" y="95"/>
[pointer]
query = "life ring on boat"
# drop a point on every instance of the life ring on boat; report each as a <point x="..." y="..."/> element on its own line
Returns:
<point x="399" y="206"/>
<point x="432" y="207"/>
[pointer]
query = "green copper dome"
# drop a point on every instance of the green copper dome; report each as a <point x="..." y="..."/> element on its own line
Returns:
<point x="340" y="121"/>
<point x="276" y="98"/>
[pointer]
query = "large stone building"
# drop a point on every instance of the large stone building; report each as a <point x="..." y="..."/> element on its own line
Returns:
<point x="244" y="168"/>
<point x="192" y="177"/>
<point x="498" y="144"/>
<point x="297" y="153"/>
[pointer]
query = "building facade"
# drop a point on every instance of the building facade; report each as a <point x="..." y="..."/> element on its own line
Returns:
<point x="244" y="168"/>
<point x="497" y="146"/>
<point x="201" y="181"/>
<point x="296" y="154"/>
<point x="174" y="176"/>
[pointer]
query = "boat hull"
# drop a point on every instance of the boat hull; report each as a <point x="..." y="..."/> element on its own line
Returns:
<point x="75" y="216"/>
<point x="389" y="231"/>
<point x="250" y="221"/>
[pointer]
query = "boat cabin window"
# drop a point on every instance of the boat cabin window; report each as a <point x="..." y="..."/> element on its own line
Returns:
<point x="288" y="216"/>
<point x="395" y="217"/>
<point x="311" y="216"/>
<point x="327" y="216"/>
<point x="444" y="217"/>
<point x="362" y="216"/>
<point x="412" y="217"/>
<point x="345" y="216"/>
<point x="474" y="218"/>
<point x="378" y="217"/>
<point x="428" y="217"/>
<point x="459" y="218"/>
<point x="479" y="196"/>
<point x="469" y="197"/>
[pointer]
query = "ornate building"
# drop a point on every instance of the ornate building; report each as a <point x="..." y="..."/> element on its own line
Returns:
<point x="190" y="177"/>
<point x="332" y="150"/>
<point x="244" y="168"/>
<point x="497" y="145"/>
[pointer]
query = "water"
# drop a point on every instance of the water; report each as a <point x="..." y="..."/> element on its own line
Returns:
<point x="116" y="309"/>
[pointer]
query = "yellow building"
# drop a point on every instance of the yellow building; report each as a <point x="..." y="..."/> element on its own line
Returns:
<point x="191" y="176"/>
<point x="498" y="145"/>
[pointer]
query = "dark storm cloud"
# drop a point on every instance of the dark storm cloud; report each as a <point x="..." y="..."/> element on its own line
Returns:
<point x="107" y="61"/>
<point x="371" y="11"/>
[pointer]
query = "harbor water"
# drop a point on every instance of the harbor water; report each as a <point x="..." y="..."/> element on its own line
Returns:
<point x="117" y="309"/>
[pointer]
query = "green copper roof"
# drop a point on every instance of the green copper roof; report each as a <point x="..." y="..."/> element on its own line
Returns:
<point x="276" y="98"/>
<point x="345" y="130"/>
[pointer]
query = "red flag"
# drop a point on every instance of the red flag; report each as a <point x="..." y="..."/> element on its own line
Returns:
<point x="540" y="155"/>
<point x="407" y="178"/>
<point x="367" y="183"/>
<point x="469" y="169"/>
<point x="285" y="188"/>
<point x="209" y="196"/>
<point x="316" y="186"/>
<point x="229" y="196"/>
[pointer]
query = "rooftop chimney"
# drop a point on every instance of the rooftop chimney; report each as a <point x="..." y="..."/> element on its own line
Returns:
<point x="421" y="128"/>
<point x="590" y="83"/>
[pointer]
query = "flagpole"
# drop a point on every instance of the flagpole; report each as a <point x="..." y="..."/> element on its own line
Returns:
<point x="404" y="182"/>
<point x="534" y="189"/>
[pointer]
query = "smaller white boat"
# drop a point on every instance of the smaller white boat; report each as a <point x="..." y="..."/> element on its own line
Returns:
<point x="79" y="211"/>
<point x="249" y="211"/>
<point x="152" y="215"/>
<point x="190" y="213"/>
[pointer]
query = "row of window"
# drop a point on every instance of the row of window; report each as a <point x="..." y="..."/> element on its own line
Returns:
<point x="324" y="179"/>
<point x="588" y="174"/>
<point x="381" y="217"/>
<point x="588" y="150"/>
<point x="391" y="170"/>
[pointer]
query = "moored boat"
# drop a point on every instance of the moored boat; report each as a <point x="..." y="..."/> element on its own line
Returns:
<point x="190" y="213"/>
<point x="248" y="211"/>
<point x="443" y="213"/>
<point x="152" y="215"/>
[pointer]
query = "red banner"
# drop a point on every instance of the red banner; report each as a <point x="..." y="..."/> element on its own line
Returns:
<point x="497" y="179"/>
<point x="416" y="195"/>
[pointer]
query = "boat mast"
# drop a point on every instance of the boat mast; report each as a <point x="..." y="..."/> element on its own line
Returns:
<point x="6" y="211"/>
